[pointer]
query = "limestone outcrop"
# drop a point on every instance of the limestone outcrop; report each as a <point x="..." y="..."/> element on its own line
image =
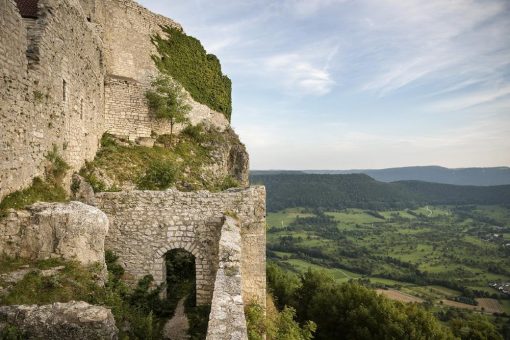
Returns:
<point x="230" y="157"/>
<point x="72" y="320"/>
<point x="72" y="231"/>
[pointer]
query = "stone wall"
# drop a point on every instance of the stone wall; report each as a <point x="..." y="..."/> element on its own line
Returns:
<point x="127" y="34"/>
<point x="128" y="116"/>
<point x="53" y="83"/>
<point x="126" y="107"/>
<point x="145" y="225"/>
<point x="128" y="28"/>
<point x="227" y="320"/>
<point x="51" y="89"/>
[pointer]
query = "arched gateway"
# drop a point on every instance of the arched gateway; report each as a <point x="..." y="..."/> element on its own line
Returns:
<point x="146" y="225"/>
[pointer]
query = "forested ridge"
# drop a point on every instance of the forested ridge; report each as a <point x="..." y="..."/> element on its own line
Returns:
<point x="288" y="190"/>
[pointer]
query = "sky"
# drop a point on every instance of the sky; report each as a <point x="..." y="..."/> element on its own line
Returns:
<point x="359" y="84"/>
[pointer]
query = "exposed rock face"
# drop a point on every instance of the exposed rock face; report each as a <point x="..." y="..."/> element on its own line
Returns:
<point x="82" y="191"/>
<point x="72" y="320"/>
<point x="231" y="158"/>
<point x="72" y="231"/>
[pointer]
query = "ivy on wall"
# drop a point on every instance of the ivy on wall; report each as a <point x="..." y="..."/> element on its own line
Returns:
<point x="185" y="59"/>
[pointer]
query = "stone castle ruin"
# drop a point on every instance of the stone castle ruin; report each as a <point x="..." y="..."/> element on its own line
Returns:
<point x="72" y="70"/>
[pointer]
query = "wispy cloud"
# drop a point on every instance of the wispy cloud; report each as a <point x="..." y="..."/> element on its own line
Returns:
<point x="429" y="41"/>
<point x="472" y="98"/>
<point x="299" y="75"/>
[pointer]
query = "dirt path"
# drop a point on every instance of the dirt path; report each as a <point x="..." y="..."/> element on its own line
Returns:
<point x="177" y="327"/>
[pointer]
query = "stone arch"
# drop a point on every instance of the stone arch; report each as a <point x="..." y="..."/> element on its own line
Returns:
<point x="204" y="277"/>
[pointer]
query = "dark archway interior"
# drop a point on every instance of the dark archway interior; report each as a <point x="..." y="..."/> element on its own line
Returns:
<point x="180" y="275"/>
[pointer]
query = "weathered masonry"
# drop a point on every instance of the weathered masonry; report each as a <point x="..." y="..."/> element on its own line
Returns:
<point x="72" y="70"/>
<point x="145" y="225"/>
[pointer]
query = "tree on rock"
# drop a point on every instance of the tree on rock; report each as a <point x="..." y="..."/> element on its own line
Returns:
<point x="167" y="101"/>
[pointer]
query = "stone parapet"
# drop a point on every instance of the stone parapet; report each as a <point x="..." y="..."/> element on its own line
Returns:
<point x="227" y="320"/>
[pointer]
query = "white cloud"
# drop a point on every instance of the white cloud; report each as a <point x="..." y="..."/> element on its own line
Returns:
<point x="299" y="75"/>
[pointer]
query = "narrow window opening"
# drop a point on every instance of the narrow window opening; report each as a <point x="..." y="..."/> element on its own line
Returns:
<point x="81" y="109"/>
<point x="64" y="90"/>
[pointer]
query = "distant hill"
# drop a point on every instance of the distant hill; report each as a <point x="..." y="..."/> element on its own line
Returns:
<point x="435" y="174"/>
<point x="361" y="191"/>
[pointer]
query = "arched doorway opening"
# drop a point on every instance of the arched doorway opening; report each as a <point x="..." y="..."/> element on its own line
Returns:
<point x="180" y="275"/>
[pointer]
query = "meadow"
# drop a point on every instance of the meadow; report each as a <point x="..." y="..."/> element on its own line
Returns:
<point x="432" y="253"/>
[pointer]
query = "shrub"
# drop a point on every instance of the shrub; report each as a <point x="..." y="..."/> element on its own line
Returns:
<point x="184" y="58"/>
<point x="276" y="325"/>
<point x="195" y="133"/>
<point x="160" y="175"/>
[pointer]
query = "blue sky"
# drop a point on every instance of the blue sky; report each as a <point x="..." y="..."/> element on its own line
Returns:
<point x="342" y="84"/>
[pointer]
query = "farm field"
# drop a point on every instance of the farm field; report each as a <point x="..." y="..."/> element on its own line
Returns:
<point x="398" y="295"/>
<point x="431" y="253"/>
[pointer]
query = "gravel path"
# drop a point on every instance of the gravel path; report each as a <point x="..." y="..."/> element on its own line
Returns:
<point x="177" y="327"/>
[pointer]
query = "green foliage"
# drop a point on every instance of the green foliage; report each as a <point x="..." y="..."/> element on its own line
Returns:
<point x="48" y="190"/>
<point x="75" y="185"/>
<point x="11" y="332"/>
<point x="229" y="182"/>
<point x="360" y="191"/>
<point x="184" y="59"/>
<point x="452" y="246"/>
<point x="167" y="101"/>
<point x="255" y="321"/>
<point x="276" y="325"/>
<point x="39" y="191"/>
<point x="76" y="282"/>
<point x="115" y="270"/>
<point x="184" y="165"/>
<point x="38" y="96"/>
<point x="160" y="175"/>
<point x="57" y="167"/>
<point x="288" y="329"/>
<point x="351" y="311"/>
<point x="195" y="133"/>
<point x="283" y="284"/>
<point x="475" y="327"/>
<point x="87" y="172"/>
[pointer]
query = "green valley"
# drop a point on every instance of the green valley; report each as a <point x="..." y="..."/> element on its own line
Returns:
<point x="464" y="248"/>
